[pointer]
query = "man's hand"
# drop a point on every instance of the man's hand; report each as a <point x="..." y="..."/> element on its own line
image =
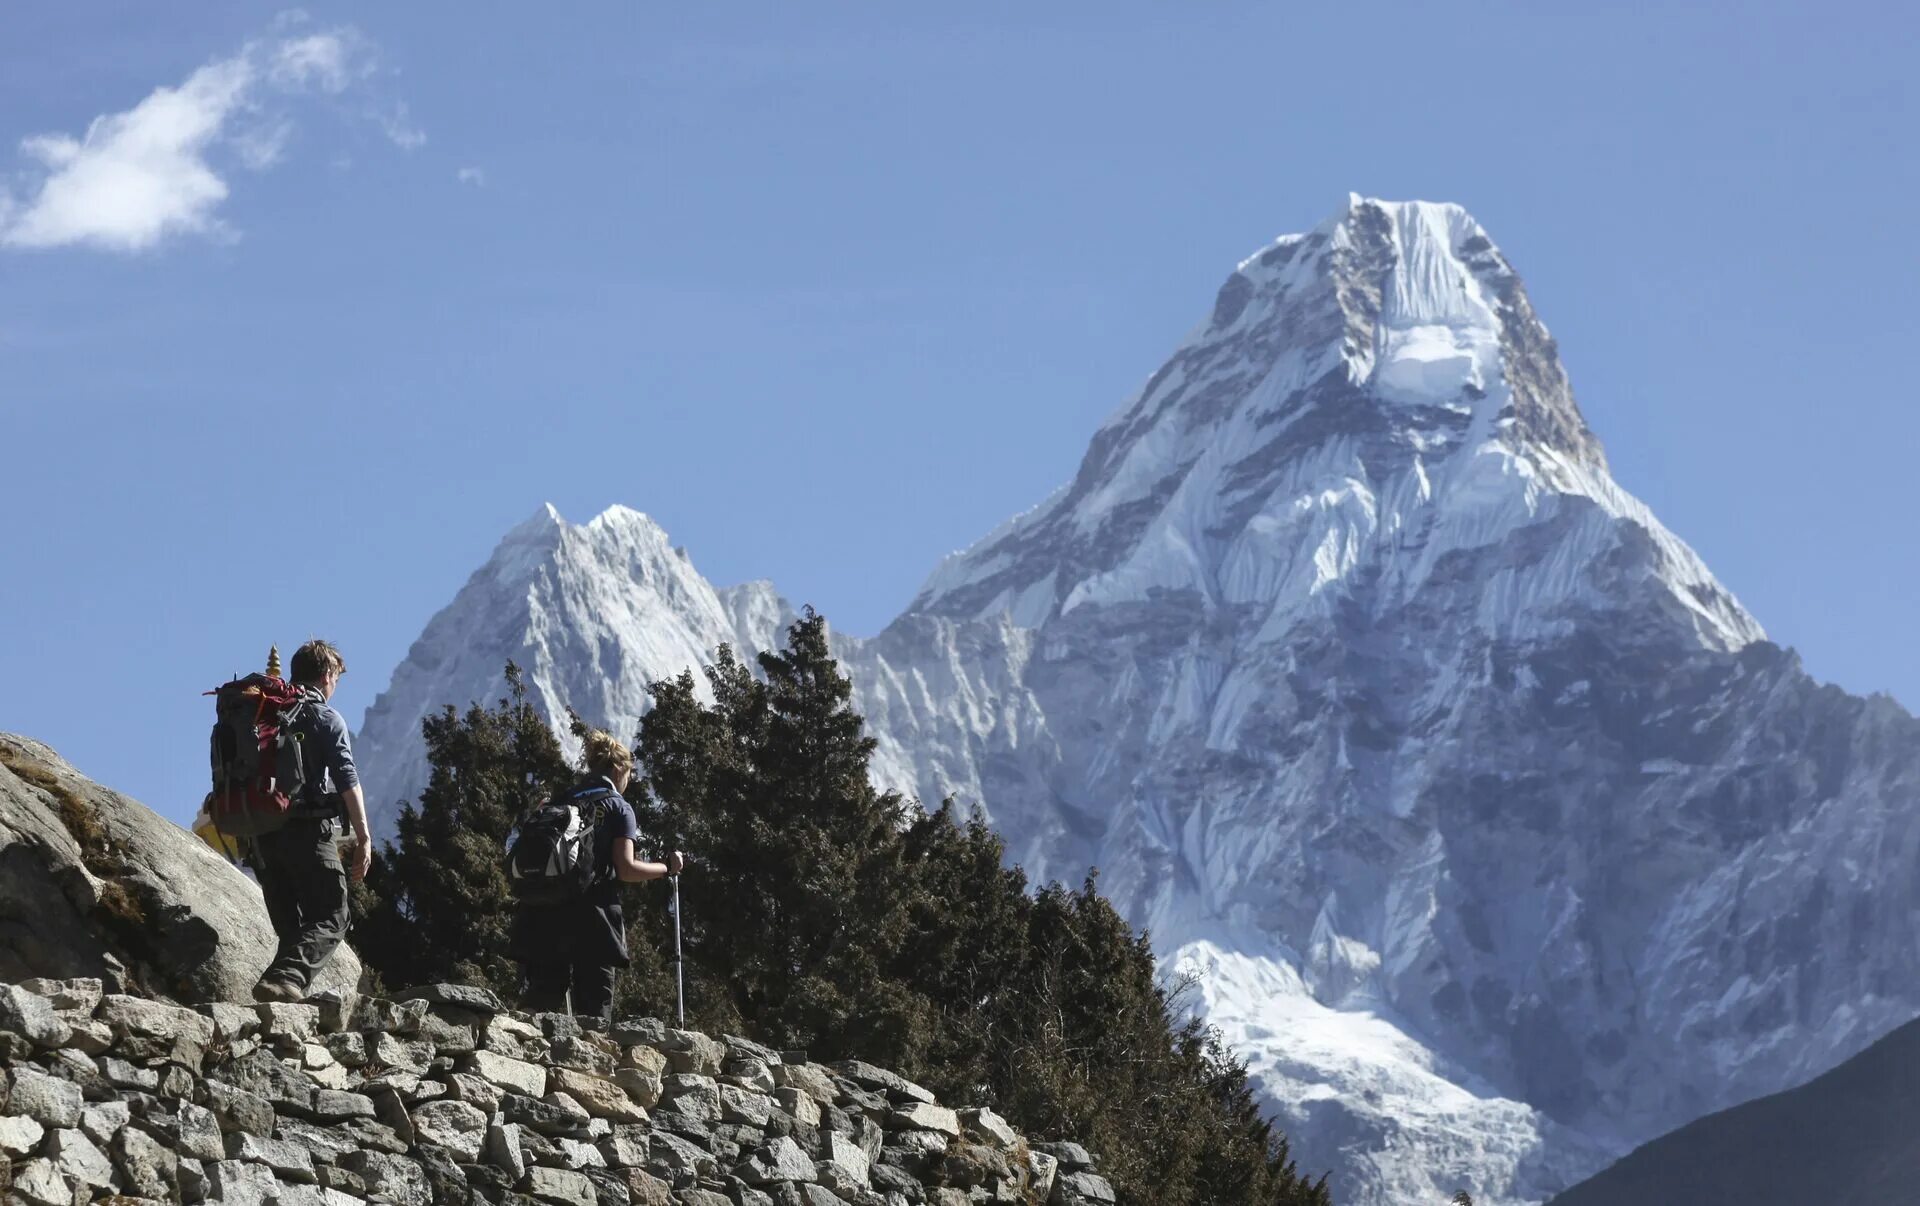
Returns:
<point x="362" y="856"/>
<point x="675" y="862"/>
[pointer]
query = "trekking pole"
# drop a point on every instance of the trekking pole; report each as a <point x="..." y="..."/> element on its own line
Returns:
<point x="679" y="982"/>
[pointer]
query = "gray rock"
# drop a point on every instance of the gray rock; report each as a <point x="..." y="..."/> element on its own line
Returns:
<point x="673" y="1157"/>
<point x="579" y="1154"/>
<point x="123" y="1075"/>
<point x="39" y="1183"/>
<point x="199" y="1134"/>
<point x="600" y="1097"/>
<point x="454" y="1125"/>
<point x="479" y="1000"/>
<point x="237" y="1109"/>
<point x="691" y="1096"/>
<point x="75" y="998"/>
<point x="704" y="1197"/>
<point x="1072" y="1157"/>
<point x="802" y="1108"/>
<point x="400" y="1179"/>
<point x="291" y="1025"/>
<point x="349" y="1048"/>
<point x="921" y="1116"/>
<point x="879" y="1079"/>
<point x="392" y="1051"/>
<point x="48" y="1100"/>
<point x="20" y="1136"/>
<point x="562" y="1187"/>
<point x="543" y="1116"/>
<point x="744" y="1105"/>
<point x="194" y="1185"/>
<point x="264" y="1076"/>
<point x="374" y="1016"/>
<point x="477" y="1092"/>
<point x="514" y="1075"/>
<point x="346" y="1182"/>
<point x="78" y="1158"/>
<point x="645" y="1189"/>
<point x="325" y="1143"/>
<point x="989" y="1127"/>
<point x="448" y="1038"/>
<point x="332" y="1105"/>
<point x="644" y="1087"/>
<point x="90" y="1037"/>
<point x="1080" y="1189"/>
<point x="810" y="1079"/>
<point x="148" y="1169"/>
<point x="626" y="1147"/>
<point x="237" y="1181"/>
<point x="101" y="1120"/>
<point x="31" y="1016"/>
<point x="336" y="1005"/>
<point x="691" y="1053"/>
<point x="288" y="1159"/>
<point x="230" y="1021"/>
<point x="750" y="1074"/>
<point x="842" y="1163"/>
<point x="779" y="1160"/>
<point x="647" y="1032"/>
<point x="502" y="1149"/>
<point x="204" y="933"/>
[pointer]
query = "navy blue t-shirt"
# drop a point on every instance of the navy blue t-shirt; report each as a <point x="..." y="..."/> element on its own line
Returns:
<point x="327" y="752"/>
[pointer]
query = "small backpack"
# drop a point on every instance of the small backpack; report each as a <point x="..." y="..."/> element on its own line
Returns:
<point x="259" y="771"/>
<point x="550" y="858"/>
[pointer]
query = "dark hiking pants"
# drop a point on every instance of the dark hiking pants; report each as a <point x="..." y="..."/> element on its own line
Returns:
<point x="548" y="983"/>
<point x="300" y="874"/>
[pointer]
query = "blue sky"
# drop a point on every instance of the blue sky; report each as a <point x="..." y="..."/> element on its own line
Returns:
<point x="831" y="290"/>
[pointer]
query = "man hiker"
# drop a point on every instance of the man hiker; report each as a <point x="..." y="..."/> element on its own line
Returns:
<point x="573" y="938"/>
<point x="298" y="865"/>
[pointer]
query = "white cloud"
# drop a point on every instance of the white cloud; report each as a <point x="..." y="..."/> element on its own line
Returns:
<point x="471" y="175"/>
<point x="140" y="177"/>
<point x="399" y="127"/>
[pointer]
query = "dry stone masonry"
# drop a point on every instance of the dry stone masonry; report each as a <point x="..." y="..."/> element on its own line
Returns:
<point x="443" y="1096"/>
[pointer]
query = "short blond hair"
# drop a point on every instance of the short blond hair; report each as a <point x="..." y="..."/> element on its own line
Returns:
<point x="606" y="754"/>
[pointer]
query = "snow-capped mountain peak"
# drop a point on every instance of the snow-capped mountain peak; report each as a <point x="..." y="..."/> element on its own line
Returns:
<point x="592" y="612"/>
<point x="1376" y="395"/>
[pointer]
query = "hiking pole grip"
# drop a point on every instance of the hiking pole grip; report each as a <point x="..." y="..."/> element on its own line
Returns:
<point x="679" y="964"/>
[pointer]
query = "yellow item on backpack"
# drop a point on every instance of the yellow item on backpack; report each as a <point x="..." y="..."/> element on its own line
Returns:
<point x="204" y="829"/>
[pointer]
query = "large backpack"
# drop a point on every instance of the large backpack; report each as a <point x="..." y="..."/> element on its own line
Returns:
<point x="551" y="857"/>
<point x="259" y="771"/>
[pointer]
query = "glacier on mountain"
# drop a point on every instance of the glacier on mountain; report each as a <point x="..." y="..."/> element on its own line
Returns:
<point x="1490" y="827"/>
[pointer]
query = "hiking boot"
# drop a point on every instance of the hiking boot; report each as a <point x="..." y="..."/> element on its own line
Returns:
<point x="277" y="990"/>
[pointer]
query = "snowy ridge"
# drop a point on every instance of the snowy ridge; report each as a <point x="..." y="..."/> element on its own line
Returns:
<point x="1497" y="836"/>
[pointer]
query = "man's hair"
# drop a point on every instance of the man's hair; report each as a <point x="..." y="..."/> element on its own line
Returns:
<point x="312" y="661"/>
<point x="606" y="754"/>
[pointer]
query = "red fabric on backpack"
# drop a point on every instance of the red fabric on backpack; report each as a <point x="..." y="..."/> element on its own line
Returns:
<point x="252" y="790"/>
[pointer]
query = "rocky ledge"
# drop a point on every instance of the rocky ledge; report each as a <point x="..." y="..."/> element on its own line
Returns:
<point x="443" y="1096"/>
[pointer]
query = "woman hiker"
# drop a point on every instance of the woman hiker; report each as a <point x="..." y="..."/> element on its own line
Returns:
<point x="576" y="946"/>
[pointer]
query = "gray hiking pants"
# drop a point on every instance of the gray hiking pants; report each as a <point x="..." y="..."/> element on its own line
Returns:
<point x="300" y="874"/>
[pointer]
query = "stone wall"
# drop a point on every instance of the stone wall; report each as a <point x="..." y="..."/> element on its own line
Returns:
<point x="442" y="1096"/>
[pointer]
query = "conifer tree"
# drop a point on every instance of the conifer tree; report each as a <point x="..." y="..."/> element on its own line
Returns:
<point x="436" y="905"/>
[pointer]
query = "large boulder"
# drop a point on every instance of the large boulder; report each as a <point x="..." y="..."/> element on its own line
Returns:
<point x="96" y="884"/>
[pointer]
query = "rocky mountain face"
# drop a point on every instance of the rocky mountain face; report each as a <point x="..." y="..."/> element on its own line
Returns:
<point x="1495" y="834"/>
<point x="96" y="884"/>
<point x="443" y="1098"/>
<point x="1851" y="1135"/>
